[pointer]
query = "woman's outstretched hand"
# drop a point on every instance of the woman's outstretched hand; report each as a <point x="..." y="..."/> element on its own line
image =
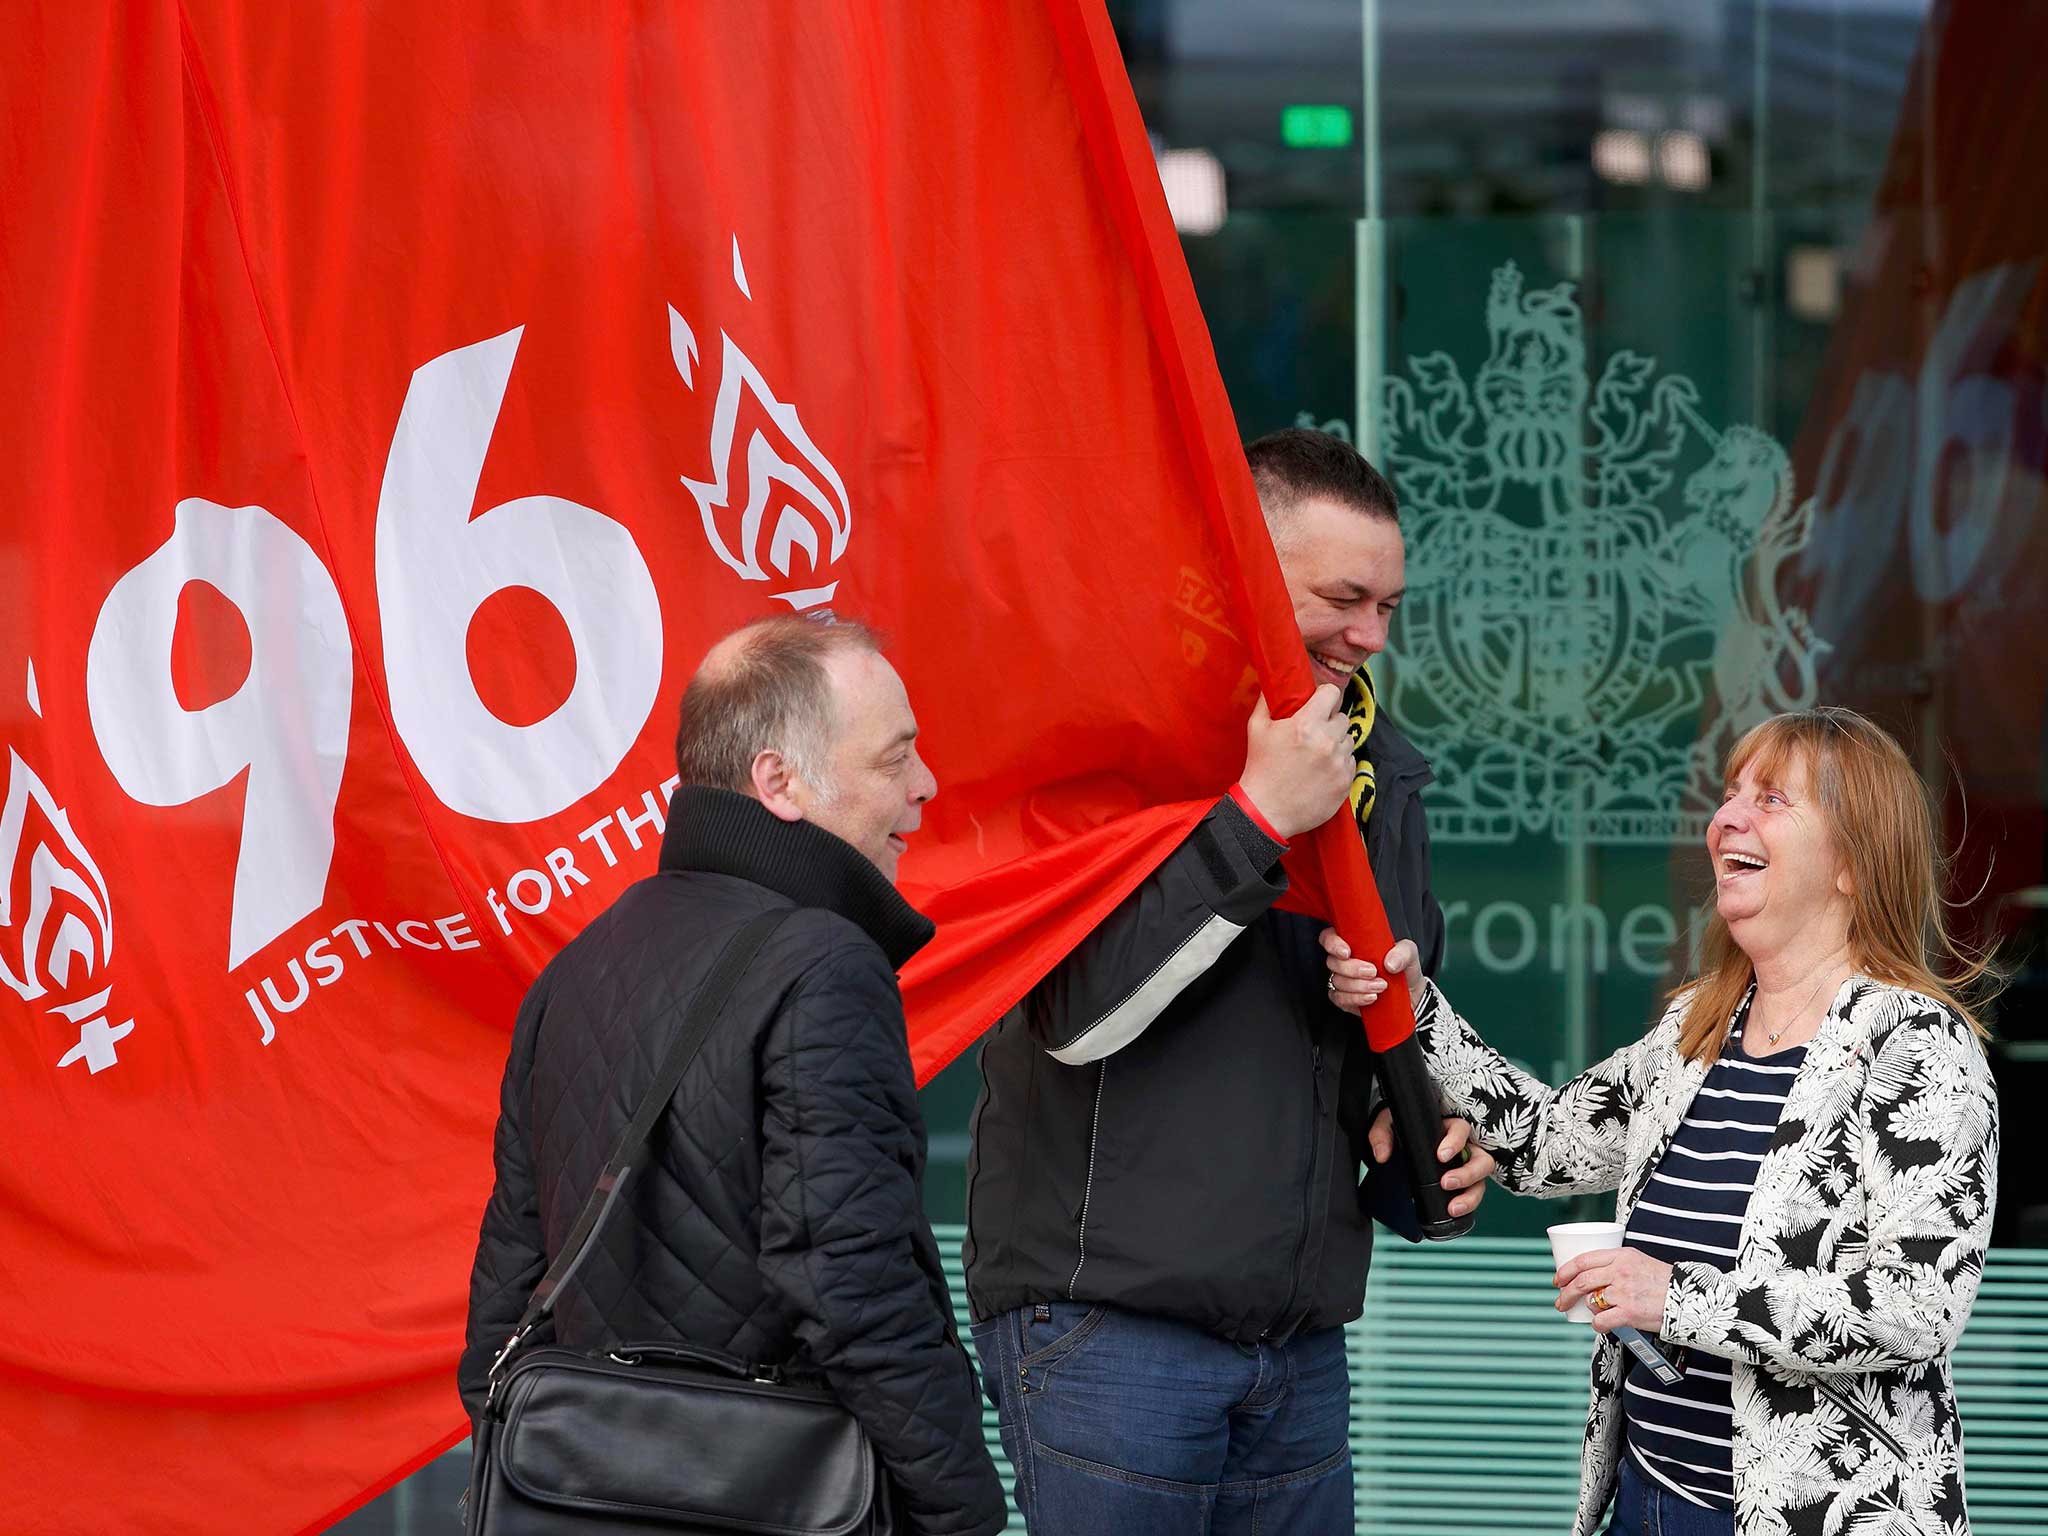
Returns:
<point x="1356" y="985"/>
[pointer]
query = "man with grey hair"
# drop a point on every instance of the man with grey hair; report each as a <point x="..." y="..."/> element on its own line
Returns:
<point x="810" y="720"/>
<point x="779" y="1219"/>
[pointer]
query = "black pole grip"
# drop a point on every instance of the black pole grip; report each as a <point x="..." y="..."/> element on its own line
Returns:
<point x="1418" y="1127"/>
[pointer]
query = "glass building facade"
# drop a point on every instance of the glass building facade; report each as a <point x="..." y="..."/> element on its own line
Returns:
<point x="1704" y="343"/>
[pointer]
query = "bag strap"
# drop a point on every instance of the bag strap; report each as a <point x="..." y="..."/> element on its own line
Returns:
<point x="704" y="1012"/>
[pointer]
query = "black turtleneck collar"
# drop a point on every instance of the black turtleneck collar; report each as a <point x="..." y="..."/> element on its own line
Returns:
<point x="726" y="833"/>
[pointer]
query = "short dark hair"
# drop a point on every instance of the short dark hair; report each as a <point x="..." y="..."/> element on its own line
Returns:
<point x="1295" y="463"/>
<point x="763" y="689"/>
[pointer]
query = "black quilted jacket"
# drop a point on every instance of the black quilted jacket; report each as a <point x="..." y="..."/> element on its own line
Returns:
<point x="779" y="1217"/>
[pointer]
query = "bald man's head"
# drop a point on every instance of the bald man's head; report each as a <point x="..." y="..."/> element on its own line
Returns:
<point x="765" y="688"/>
<point x="814" y="723"/>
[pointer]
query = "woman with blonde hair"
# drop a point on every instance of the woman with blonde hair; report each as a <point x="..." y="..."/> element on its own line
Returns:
<point x="1805" y="1151"/>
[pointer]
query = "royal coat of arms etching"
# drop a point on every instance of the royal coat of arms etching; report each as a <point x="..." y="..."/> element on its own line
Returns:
<point x="1592" y="610"/>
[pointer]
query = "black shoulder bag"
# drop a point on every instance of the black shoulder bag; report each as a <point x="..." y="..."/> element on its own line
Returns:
<point x="667" y="1437"/>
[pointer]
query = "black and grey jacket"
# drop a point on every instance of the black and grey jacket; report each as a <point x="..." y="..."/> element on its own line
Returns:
<point x="1857" y="1261"/>
<point x="779" y="1217"/>
<point x="1174" y="1121"/>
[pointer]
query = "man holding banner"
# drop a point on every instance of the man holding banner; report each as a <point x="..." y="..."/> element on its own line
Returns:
<point x="1167" y="1228"/>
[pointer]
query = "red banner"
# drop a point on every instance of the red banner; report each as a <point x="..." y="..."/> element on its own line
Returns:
<point x="400" y="399"/>
<point x="1925" y="447"/>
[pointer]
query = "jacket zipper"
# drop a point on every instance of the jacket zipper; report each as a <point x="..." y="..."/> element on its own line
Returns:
<point x="1308" y="1215"/>
<point x="1862" y="1416"/>
<point x="1088" y="1182"/>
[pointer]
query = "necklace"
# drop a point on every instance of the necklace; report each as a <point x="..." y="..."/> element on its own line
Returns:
<point x="1771" y="1038"/>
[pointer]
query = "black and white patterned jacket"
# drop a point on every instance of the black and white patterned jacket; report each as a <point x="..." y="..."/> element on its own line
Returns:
<point x="1857" y="1263"/>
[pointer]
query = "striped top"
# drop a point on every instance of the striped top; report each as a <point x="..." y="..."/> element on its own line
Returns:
<point x="1692" y="1209"/>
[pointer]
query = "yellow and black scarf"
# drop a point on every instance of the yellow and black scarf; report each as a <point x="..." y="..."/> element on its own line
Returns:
<point x="1359" y="708"/>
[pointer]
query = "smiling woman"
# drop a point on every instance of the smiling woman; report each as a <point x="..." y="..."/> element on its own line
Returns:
<point x="1824" y="865"/>
<point x="1805" y="1149"/>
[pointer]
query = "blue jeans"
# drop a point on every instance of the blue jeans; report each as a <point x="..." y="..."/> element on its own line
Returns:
<point x="1126" y="1423"/>
<point x="1643" y="1507"/>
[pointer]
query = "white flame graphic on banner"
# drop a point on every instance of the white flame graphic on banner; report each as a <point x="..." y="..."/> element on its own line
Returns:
<point x="48" y="873"/>
<point x="804" y="491"/>
<point x="83" y="941"/>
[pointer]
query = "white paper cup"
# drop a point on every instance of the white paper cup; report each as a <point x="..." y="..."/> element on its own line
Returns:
<point x="1570" y="1239"/>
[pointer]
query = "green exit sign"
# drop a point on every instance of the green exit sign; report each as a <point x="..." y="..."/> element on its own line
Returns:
<point x="1312" y="127"/>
